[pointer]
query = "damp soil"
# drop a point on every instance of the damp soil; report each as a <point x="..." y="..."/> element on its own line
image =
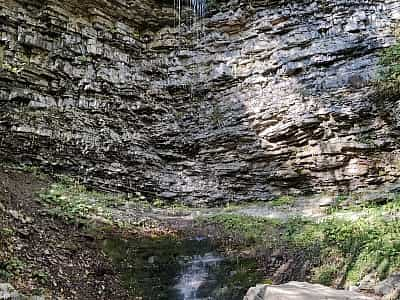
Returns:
<point x="172" y="268"/>
<point x="42" y="254"/>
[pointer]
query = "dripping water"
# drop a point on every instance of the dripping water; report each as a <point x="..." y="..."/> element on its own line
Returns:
<point x="198" y="8"/>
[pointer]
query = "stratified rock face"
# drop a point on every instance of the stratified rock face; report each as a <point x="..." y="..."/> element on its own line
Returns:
<point x="254" y="100"/>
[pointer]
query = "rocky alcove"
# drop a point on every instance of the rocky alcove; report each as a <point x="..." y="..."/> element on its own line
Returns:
<point x="250" y="101"/>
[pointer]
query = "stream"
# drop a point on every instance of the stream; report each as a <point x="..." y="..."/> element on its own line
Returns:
<point x="169" y="268"/>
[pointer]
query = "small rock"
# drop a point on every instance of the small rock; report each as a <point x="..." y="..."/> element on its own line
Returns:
<point x="377" y="197"/>
<point x="168" y="195"/>
<point x="326" y="201"/>
<point x="368" y="282"/>
<point x="388" y="285"/>
<point x="394" y="295"/>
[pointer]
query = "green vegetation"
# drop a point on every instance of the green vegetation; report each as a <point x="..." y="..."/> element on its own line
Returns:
<point x="11" y="268"/>
<point x="175" y="206"/>
<point x="212" y="5"/>
<point x="243" y="230"/>
<point x="390" y="59"/>
<point x="360" y="246"/>
<point x="83" y="59"/>
<point x="338" y="203"/>
<point x="237" y="275"/>
<point x="13" y="69"/>
<point x="354" y="248"/>
<point x="73" y="202"/>
<point x="325" y="274"/>
<point x="6" y="232"/>
<point x="2" y="56"/>
<point x="158" y="261"/>
<point x="139" y="259"/>
<point x="342" y="250"/>
<point x="347" y="250"/>
<point x="136" y="34"/>
<point x="35" y="171"/>
<point x="283" y="201"/>
<point x="40" y="276"/>
<point x="388" y="84"/>
<point x="217" y="117"/>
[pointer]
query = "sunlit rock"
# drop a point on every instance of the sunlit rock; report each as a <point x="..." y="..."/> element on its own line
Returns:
<point x="242" y="101"/>
<point x="300" y="291"/>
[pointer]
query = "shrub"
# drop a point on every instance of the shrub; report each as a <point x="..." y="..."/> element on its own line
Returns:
<point x="388" y="83"/>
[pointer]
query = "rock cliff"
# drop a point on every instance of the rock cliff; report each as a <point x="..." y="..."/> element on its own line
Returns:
<point x="253" y="100"/>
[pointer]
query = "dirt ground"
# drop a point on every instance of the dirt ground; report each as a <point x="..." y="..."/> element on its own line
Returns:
<point x="39" y="253"/>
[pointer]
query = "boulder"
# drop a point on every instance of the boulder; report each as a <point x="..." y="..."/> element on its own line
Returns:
<point x="390" y="284"/>
<point x="300" y="291"/>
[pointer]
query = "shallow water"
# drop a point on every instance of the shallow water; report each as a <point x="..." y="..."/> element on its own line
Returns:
<point x="173" y="269"/>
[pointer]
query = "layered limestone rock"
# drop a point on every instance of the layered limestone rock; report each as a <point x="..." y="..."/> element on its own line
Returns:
<point x="300" y="291"/>
<point x="253" y="100"/>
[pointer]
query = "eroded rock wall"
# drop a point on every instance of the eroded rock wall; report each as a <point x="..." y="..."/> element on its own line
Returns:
<point x="256" y="99"/>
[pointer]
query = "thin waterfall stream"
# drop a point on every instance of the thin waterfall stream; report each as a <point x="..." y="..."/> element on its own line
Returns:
<point x="195" y="274"/>
<point x="169" y="268"/>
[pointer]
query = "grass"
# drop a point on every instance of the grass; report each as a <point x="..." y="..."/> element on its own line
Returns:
<point x="2" y="56"/>
<point x="11" y="268"/>
<point x="283" y="201"/>
<point x="242" y="230"/>
<point x="212" y="5"/>
<point x="325" y="274"/>
<point x="347" y="250"/>
<point x="73" y="202"/>
<point x="390" y="59"/>
<point x="369" y="244"/>
<point x="34" y="170"/>
<point x="388" y="83"/>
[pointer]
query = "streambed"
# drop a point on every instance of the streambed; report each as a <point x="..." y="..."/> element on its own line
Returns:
<point x="169" y="268"/>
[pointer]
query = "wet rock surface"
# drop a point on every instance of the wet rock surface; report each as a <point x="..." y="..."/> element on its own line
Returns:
<point x="7" y="292"/>
<point x="253" y="100"/>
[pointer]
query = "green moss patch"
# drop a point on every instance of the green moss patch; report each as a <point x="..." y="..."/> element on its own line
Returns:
<point x="345" y="250"/>
<point x="73" y="202"/>
<point x="388" y="83"/>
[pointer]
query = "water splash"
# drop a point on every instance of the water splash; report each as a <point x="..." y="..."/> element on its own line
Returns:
<point x="195" y="274"/>
<point x="181" y="269"/>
